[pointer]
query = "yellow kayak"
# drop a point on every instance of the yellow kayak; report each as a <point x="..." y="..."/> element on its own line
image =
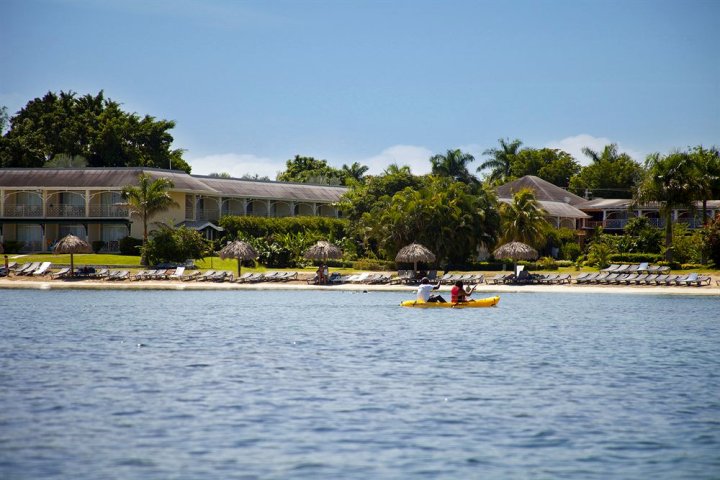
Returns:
<point x="479" y="303"/>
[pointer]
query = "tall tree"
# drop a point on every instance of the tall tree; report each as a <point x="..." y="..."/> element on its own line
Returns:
<point x="523" y="220"/>
<point x="610" y="174"/>
<point x="355" y="172"/>
<point x="453" y="165"/>
<point x="555" y="166"/>
<point x="707" y="163"/>
<point x="501" y="160"/>
<point x="148" y="198"/>
<point x="310" y="170"/>
<point x="93" y="127"/>
<point x="670" y="181"/>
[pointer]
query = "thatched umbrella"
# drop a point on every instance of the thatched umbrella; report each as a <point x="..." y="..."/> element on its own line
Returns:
<point x="240" y="250"/>
<point x="72" y="245"/>
<point x="414" y="253"/>
<point x="7" y="270"/>
<point x="323" y="250"/>
<point x="515" y="251"/>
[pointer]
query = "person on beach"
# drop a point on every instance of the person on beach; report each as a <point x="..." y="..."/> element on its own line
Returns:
<point x="458" y="294"/>
<point x="320" y="272"/>
<point x="424" y="292"/>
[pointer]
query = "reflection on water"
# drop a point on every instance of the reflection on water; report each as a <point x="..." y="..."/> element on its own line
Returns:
<point x="349" y="385"/>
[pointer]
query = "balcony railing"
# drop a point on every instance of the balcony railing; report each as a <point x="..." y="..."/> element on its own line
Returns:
<point x="112" y="211"/>
<point x="619" y="224"/>
<point x="71" y="211"/>
<point x="20" y="211"/>
<point x="207" y="214"/>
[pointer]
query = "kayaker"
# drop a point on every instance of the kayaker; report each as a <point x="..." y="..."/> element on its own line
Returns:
<point x="458" y="293"/>
<point x="424" y="292"/>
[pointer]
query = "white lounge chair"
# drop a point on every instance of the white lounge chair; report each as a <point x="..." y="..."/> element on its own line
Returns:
<point x="42" y="269"/>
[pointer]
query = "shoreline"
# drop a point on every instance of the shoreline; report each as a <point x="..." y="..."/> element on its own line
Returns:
<point x="174" y="285"/>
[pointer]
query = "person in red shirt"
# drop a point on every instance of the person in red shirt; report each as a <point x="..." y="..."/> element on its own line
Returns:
<point x="458" y="293"/>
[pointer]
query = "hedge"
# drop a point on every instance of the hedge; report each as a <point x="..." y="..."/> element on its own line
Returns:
<point x="249" y="226"/>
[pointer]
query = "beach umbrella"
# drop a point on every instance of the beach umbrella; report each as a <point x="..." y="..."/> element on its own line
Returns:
<point x="240" y="250"/>
<point x="323" y="250"/>
<point x="414" y="253"/>
<point x="515" y="251"/>
<point x="72" y="245"/>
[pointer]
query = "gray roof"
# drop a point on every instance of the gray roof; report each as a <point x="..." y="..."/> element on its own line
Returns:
<point x="626" y="203"/>
<point x="556" y="209"/>
<point x="544" y="190"/>
<point x="199" y="225"/>
<point x="116" y="178"/>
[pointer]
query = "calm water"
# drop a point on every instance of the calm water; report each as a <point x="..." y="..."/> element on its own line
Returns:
<point x="337" y="385"/>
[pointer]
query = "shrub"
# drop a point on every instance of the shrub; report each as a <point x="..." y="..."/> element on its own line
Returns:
<point x="372" y="264"/>
<point x="130" y="246"/>
<point x="547" y="263"/>
<point x="175" y="245"/>
<point x="257" y="227"/>
<point x="570" y="251"/>
<point x="635" y="257"/>
<point x="98" y="245"/>
<point x="11" y="246"/>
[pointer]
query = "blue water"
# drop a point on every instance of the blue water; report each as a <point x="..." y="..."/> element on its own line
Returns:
<point x="341" y="385"/>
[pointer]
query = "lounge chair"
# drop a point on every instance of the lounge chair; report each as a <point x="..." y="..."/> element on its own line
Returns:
<point x="245" y="276"/>
<point x="190" y="276"/>
<point x="445" y="279"/>
<point x="139" y="275"/>
<point x="479" y="278"/>
<point x="120" y="275"/>
<point x="42" y="269"/>
<point x="658" y="268"/>
<point x="205" y="276"/>
<point x="648" y="280"/>
<point x="668" y="280"/>
<point x="623" y="269"/>
<point x="643" y="267"/>
<point x="499" y="278"/>
<point x="29" y="269"/>
<point x="637" y="278"/>
<point x="62" y="273"/>
<point x="12" y="265"/>
<point x="287" y="276"/>
<point x="177" y="274"/>
<point x="102" y="273"/>
<point x="600" y="277"/>
<point x="659" y="279"/>
<point x="611" y="268"/>
<point x="548" y="279"/>
<point x="221" y="276"/>
<point x="625" y="278"/>
<point x="694" y="279"/>
<point x="21" y="268"/>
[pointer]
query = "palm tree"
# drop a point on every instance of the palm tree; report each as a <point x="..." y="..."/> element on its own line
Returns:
<point x="355" y="171"/>
<point x="501" y="159"/>
<point x="454" y="165"/>
<point x="707" y="163"/>
<point x="670" y="181"/>
<point x="523" y="220"/>
<point x="148" y="198"/>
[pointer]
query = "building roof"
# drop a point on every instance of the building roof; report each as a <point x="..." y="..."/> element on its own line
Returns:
<point x="557" y="209"/>
<point x="627" y="203"/>
<point x="544" y="190"/>
<point x="116" y="178"/>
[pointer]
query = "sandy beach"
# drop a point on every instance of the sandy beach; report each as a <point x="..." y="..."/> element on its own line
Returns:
<point x="301" y="284"/>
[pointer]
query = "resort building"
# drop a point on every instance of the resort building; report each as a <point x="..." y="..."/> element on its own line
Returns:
<point x="39" y="206"/>
<point x="565" y="209"/>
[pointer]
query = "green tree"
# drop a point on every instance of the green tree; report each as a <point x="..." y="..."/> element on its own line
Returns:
<point x="670" y="181"/>
<point x="707" y="163"/>
<point x="523" y="220"/>
<point x="609" y="175"/>
<point x="90" y="126"/>
<point x="453" y="165"/>
<point x="355" y="172"/>
<point x="501" y="160"/>
<point x="553" y="165"/>
<point x="148" y="198"/>
<point x="175" y="245"/>
<point x="310" y="170"/>
<point x="711" y="237"/>
<point x="445" y="215"/>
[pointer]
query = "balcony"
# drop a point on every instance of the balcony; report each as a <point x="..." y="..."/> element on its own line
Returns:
<point x="23" y="211"/>
<point x="619" y="224"/>
<point x="109" y="211"/>
<point x="66" y="211"/>
<point x="208" y="214"/>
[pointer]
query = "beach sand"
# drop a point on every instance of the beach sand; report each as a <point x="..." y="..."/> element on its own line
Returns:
<point x="301" y="284"/>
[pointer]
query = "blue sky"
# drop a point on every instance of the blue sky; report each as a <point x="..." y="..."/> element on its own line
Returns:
<point x="252" y="83"/>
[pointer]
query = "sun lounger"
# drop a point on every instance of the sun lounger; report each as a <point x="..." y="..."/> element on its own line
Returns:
<point x="29" y="269"/>
<point x="139" y="275"/>
<point x="643" y="267"/>
<point x="668" y="280"/>
<point x="658" y="268"/>
<point x="694" y="279"/>
<point x="636" y="278"/>
<point x="205" y="276"/>
<point x="611" y="268"/>
<point x="548" y="278"/>
<point x="623" y="269"/>
<point x="190" y="276"/>
<point x="62" y="273"/>
<point x="624" y="278"/>
<point x="102" y="273"/>
<point x="21" y="268"/>
<point x="121" y="275"/>
<point x="221" y="276"/>
<point x="177" y="274"/>
<point x="12" y="265"/>
<point x="42" y="269"/>
<point x="600" y="277"/>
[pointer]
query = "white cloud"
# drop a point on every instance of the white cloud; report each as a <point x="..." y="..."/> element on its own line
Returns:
<point x="417" y="158"/>
<point x="574" y="146"/>
<point x="237" y="165"/>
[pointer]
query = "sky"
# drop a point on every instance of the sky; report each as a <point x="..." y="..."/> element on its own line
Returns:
<point x="251" y="84"/>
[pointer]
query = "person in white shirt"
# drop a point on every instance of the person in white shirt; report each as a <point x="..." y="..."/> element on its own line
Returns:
<point x="424" y="292"/>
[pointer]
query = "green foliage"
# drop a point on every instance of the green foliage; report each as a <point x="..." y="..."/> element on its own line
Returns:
<point x="130" y="246"/>
<point x="501" y="160"/>
<point x="310" y="170"/>
<point x="320" y="228"/>
<point x="640" y="236"/>
<point x="375" y="265"/>
<point x="599" y="254"/>
<point x="174" y="245"/>
<point x="711" y="236"/>
<point x="570" y="251"/>
<point x="687" y="245"/>
<point x="523" y="220"/>
<point x="98" y="245"/>
<point x="91" y="127"/>
<point x="553" y="165"/>
<point x="635" y="257"/>
<point x="444" y="215"/>
<point x="610" y="175"/>
<point x="12" y="246"/>
<point x="547" y="263"/>
<point x="148" y="198"/>
<point x="454" y="165"/>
